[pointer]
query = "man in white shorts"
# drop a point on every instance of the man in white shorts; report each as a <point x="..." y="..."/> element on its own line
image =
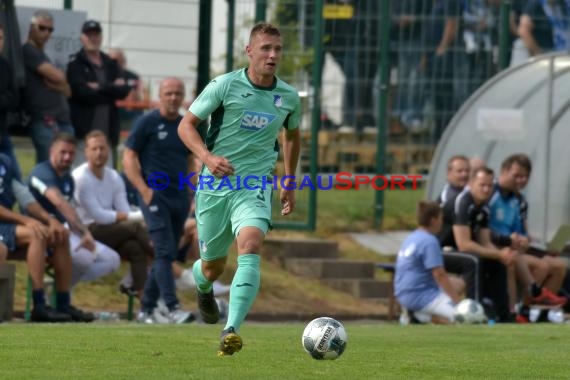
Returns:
<point x="421" y="284"/>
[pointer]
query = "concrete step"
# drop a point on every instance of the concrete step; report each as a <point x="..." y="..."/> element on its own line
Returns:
<point x="361" y="288"/>
<point x="330" y="268"/>
<point x="284" y="248"/>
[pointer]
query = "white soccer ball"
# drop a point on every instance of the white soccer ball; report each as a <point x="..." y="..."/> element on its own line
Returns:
<point x="469" y="311"/>
<point x="324" y="338"/>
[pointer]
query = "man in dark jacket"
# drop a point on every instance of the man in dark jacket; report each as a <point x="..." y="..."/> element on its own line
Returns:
<point x="96" y="83"/>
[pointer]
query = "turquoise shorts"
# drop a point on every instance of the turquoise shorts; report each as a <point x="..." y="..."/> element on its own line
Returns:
<point x="220" y="218"/>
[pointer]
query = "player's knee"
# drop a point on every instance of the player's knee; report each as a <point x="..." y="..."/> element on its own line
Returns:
<point x="543" y="266"/>
<point x="251" y="246"/>
<point x="560" y="267"/>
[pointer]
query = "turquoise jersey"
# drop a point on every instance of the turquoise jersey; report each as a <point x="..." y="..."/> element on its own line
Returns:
<point x="245" y="122"/>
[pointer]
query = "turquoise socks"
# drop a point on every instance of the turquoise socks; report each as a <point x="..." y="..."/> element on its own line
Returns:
<point x="245" y="286"/>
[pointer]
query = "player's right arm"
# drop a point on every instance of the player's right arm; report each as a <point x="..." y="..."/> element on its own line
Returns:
<point x="188" y="133"/>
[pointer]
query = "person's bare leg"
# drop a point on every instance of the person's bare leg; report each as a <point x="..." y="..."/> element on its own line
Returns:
<point x="512" y="287"/>
<point x="61" y="262"/>
<point x="3" y="253"/>
<point x="556" y="274"/>
<point x="35" y="254"/>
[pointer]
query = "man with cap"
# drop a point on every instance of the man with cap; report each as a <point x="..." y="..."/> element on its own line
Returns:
<point x="96" y="83"/>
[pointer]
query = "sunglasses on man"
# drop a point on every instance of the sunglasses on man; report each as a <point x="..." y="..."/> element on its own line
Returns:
<point x="43" y="28"/>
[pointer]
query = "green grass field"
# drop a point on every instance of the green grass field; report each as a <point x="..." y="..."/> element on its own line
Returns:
<point x="273" y="351"/>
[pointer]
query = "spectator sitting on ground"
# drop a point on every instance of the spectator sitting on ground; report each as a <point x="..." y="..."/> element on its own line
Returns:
<point x="421" y="284"/>
<point x="52" y="185"/>
<point x="102" y="206"/>
<point x="96" y="82"/>
<point x="47" y="90"/>
<point x="507" y="229"/>
<point x="37" y="232"/>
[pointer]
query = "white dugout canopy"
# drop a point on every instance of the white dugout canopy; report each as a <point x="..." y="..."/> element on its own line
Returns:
<point x="524" y="109"/>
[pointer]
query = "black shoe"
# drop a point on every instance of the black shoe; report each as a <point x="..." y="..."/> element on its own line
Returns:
<point x="78" y="315"/>
<point x="208" y="307"/>
<point x="47" y="314"/>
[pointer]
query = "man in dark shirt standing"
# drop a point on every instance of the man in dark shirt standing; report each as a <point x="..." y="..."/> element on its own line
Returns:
<point x="154" y="155"/>
<point x="46" y="88"/>
<point x="8" y="100"/>
<point x="96" y="82"/>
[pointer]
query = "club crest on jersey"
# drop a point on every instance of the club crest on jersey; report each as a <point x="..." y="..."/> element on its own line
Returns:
<point x="256" y="121"/>
<point x="277" y="100"/>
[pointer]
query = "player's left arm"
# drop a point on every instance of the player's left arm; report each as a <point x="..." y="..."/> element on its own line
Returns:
<point x="291" y="150"/>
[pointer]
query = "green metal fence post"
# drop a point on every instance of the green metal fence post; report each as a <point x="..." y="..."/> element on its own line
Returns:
<point x="231" y="33"/>
<point x="204" y="47"/>
<point x="68" y="4"/>
<point x="384" y="59"/>
<point x="316" y="114"/>
<point x="260" y="10"/>
<point x="504" y="34"/>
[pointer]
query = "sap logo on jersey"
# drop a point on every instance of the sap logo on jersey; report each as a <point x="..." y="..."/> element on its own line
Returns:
<point x="256" y="121"/>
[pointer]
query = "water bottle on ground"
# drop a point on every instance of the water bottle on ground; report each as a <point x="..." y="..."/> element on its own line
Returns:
<point x="108" y="316"/>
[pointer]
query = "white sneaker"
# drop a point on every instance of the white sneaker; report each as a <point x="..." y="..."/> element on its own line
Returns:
<point x="220" y="289"/>
<point x="147" y="318"/>
<point x="160" y="312"/>
<point x="127" y="280"/>
<point x="178" y="316"/>
<point x="222" y="307"/>
<point x="186" y="280"/>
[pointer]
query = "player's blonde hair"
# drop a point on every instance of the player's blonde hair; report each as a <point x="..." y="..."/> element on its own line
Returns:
<point x="264" y="28"/>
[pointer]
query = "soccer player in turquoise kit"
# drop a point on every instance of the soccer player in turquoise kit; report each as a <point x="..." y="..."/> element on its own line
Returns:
<point x="248" y="107"/>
